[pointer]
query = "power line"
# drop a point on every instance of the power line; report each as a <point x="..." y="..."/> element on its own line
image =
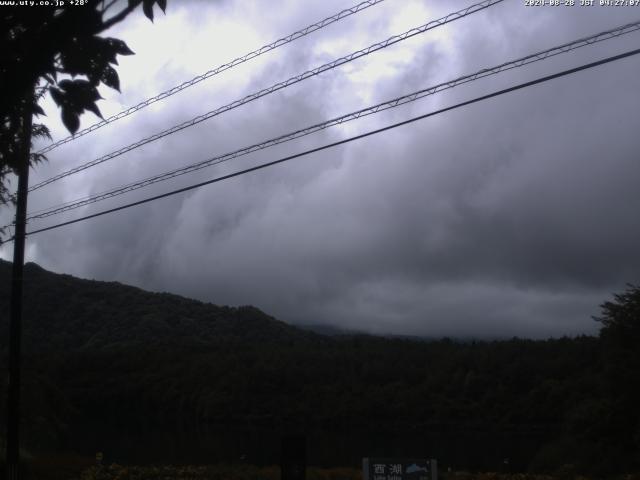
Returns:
<point x="542" y="55"/>
<point x="278" y="86"/>
<point x="344" y="141"/>
<point x="256" y="53"/>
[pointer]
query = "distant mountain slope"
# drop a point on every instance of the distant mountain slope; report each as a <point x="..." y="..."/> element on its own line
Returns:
<point x="330" y="330"/>
<point x="154" y="376"/>
<point x="62" y="312"/>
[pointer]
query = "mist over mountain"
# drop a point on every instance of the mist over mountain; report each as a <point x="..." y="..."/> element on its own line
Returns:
<point x="62" y="312"/>
<point x="154" y="377"/>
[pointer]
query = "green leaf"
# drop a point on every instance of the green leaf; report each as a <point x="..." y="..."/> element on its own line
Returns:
<point x="70" y="119"/>
<point x="39" y="130"/>
<point x="79" y="92"/>
<point x="110" y="78"/>
<point x="90" y="56"/>
<point x="92" y="107"/>
<point x="37" y="110"/>
<point x="74" y="97"/>
<point x="119" y="46"/>
<point x="57" y="95"/>
<point x="147" y="8"/>
<point x="37" y="158"/>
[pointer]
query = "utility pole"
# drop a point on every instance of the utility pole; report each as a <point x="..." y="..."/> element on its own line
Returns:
<point x="15" y="325"/>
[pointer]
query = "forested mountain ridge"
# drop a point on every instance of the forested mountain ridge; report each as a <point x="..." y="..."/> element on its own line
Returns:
<point x="62" y="312"/>
<point x="112" y="367"/>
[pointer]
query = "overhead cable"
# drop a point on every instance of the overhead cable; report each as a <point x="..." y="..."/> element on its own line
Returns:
<point x="226" y="66"/>
<point x="535" y="57"/>
<point x="278" y="86"/>
<point x="344" y="141"/>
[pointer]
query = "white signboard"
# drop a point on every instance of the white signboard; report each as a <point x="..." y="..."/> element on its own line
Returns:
<point x="399" y="469"/>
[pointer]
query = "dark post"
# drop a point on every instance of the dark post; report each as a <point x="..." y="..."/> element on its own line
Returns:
<point x="293" y="460"/>
<point x="15" y="325"/>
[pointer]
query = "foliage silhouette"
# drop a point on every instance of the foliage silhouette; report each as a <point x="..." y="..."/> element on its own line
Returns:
<point x="620" y="338"/>
<point x="42" y="47"/>
<point x="141" y="365"/>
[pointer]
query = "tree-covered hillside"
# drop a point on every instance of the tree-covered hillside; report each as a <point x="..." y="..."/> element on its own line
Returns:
<point x="64" y="313"/>
<point x="158" y="377"/>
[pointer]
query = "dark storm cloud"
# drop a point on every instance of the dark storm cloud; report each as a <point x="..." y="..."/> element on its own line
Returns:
<point x="510" y="217"/>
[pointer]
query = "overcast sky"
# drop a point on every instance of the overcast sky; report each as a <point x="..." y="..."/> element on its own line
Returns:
<point x="514" y="216"/>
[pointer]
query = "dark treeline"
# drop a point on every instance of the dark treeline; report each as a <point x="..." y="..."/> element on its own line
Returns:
<point x="108" y="365"/>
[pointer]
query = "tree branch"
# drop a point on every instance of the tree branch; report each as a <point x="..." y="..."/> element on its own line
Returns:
<point x="111" y="4"/>
<point x="119" y="16"/>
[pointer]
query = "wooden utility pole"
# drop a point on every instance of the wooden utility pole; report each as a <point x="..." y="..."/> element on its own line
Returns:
<point x="15" y="319"/>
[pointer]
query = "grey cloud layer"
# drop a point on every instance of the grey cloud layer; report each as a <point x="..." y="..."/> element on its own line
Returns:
<point x="512" y="217"/>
